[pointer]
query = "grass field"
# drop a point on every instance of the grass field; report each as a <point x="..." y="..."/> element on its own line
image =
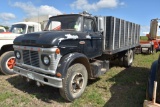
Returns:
<point x="119" y="87"/>
<point x="143" y="38"/>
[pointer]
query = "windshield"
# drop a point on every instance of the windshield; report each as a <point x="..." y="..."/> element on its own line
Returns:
<point x="18" y="28"/>
<point x="64" y="23"/>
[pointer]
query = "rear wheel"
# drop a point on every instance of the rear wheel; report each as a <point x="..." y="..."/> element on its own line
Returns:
<point x="128" y="58"/>
<point x="7" y="62"/>
<point x="75" y="82"/>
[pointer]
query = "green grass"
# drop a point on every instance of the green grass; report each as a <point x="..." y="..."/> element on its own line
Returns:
<point x="5" y="95"/>
<point x="93" y="99"/>
<point x="143" y="38"/>
<point x="119" y="87"/>
<point x="8" y="98"/>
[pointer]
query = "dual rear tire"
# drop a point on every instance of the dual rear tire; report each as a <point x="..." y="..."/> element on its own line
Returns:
<point x="126" y="58"/>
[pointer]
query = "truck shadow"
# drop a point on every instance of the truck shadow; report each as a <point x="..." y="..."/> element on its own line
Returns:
<point x="45" y="93"/>
<point x="129" y="89"/>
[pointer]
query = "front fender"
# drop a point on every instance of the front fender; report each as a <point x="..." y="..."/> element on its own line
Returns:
<point x="67" y="60"/>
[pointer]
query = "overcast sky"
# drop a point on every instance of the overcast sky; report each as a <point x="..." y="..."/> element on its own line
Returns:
<point x="137" y="11"/>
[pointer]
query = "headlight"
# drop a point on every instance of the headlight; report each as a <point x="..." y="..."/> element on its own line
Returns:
<point x="45" y="59"/>
<point x="18" y="54"/>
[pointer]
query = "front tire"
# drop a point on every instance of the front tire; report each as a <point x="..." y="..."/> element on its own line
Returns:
<point x="7" y="61"/>
<point x="75" y="82"/>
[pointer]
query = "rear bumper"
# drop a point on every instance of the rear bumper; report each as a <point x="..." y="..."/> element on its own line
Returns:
<point x="148" y="45"/>
<point x="44" y="79"/>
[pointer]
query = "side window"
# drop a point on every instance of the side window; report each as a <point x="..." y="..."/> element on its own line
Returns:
<point x="89" y="25"/>
<point x="30" y="29"/>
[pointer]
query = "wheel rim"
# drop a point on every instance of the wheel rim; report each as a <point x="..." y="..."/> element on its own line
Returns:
<point x="77" y="83"/>
<point x="10" y="63"/>
<point x="130" y="57"/>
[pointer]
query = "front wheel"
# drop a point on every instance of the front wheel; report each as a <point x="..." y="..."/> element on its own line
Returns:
<point x="7" y="61"/>
<point x="75" y="82"/>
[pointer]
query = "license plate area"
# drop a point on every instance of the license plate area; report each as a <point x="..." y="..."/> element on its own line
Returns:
<point x="30" y="76"/>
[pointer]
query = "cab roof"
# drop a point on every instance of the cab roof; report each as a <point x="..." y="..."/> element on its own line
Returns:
<point x="81" y="14"/>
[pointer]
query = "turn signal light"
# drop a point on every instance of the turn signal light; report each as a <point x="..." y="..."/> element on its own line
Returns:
<point x="57" y="51"/>
<point x="58" y="74"/>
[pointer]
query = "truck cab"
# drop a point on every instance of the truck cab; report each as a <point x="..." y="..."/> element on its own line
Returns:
<point x="2" y="29"/>
<point x="7" y="59"/>
<point x="25" y="27"/>
<point x="78" y="33"/>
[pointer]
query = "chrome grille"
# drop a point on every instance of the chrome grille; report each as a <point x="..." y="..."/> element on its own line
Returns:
<point x="31" y="58"/>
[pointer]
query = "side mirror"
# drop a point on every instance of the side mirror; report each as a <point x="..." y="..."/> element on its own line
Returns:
<point x="101" y="24"/>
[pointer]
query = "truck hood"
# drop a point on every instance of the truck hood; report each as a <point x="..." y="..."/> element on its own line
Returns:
<point x="48" y="38"/>
<point x="8" y="35"/>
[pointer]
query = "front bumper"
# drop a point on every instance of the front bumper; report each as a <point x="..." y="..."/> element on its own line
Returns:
<point x="44" y="79"/>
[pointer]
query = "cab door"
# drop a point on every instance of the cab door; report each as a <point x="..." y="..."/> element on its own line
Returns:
<point x="93" y="45"/>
